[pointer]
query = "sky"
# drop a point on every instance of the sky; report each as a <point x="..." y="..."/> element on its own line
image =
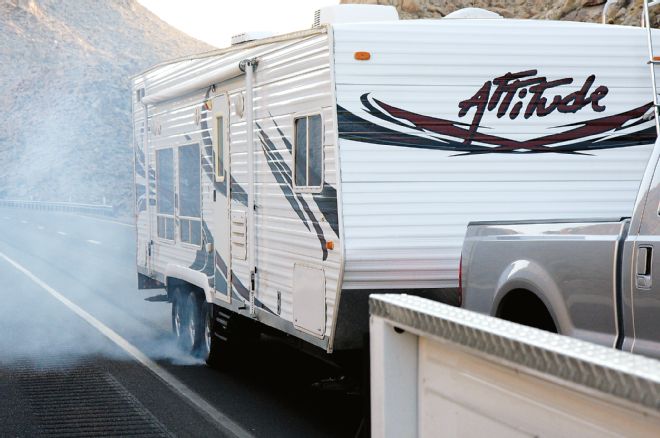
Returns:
<point x="215" y="21"/>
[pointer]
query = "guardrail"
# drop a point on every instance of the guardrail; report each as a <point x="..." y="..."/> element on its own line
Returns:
<point x="438" y="370"/>
<point x="102" y="210"/>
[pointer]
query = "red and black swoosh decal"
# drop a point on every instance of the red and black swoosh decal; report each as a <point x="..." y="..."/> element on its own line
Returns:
<point x="449" y="135"/>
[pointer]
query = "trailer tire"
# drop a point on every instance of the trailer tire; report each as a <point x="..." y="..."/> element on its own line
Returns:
<point x="178" y="315"/>
<point x="192" y="333"/>
<point x="210" y="346"/>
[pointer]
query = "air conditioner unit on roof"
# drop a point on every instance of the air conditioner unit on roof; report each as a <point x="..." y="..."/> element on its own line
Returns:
<point x="354" y="14"/>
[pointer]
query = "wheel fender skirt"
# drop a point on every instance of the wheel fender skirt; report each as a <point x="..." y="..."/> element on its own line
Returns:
<point x="191" y="276"/>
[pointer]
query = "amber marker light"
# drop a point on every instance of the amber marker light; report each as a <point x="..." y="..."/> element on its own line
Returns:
<point x="656" y="58"/>
<point x="330" y="245"/>
<point x="362" y="56"/>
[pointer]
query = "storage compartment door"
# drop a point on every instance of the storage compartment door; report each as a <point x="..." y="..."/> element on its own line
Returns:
<point x="309" y="299"/>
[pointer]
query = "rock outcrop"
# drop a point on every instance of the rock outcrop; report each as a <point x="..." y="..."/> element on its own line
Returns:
<point x="627" y="12"/>
<point x="65" y="68"/>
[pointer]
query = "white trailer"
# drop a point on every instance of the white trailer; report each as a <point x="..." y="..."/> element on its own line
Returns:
<point x="284" y="179"/>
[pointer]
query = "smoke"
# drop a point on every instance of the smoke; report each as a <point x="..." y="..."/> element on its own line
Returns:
<point x="92" y="263"/>
<point x="66" y="135"/>
<point x="65" y="124"/>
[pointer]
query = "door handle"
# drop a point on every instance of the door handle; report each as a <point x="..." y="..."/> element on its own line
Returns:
<point x="644" y="265"/>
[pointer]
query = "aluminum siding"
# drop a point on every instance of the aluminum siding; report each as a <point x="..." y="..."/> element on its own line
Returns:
<point x="293" y="77"/>
<point x="290" y="82"/>
<point x="405" y="210"/>
<point x="140" y="176"/>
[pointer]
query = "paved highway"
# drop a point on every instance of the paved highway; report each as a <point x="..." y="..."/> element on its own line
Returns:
<point x="83" y="352"/>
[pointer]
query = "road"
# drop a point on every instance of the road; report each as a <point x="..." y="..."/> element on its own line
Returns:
<point x="69" y="316"/>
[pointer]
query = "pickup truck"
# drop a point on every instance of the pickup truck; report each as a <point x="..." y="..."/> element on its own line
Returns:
<point x="598" y="280"/>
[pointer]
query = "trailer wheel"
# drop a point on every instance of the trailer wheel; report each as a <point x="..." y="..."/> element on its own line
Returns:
<point x="181" y="321"/>
<point x="192" y="332"/>
<point x="210" y="346"/>
<point x="178" y="315"/>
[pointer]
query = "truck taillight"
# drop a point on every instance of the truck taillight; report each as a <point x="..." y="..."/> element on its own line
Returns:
<point x="460" y="281"/>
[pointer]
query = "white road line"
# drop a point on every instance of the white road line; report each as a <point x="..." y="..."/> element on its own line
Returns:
<point x="108" y="220"/>
<point x="41" y="227"/>
<point x="24" y="221"/>
<point x="61" y="233"/>
<point x="93" y="242"/>
<point x="220" y="419"/>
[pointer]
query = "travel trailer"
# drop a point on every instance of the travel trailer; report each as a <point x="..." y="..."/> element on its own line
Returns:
<point x="282" y="180"/>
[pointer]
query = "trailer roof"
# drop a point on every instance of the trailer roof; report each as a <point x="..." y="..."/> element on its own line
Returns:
<point x="238" y="47"/>
<point x="377" y="25"/>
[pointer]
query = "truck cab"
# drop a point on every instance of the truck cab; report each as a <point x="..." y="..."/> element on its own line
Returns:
<point x="640" y="267"/>
<point x="597" y="280"/>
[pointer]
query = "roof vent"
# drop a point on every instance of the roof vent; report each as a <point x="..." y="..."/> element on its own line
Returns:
<point x="353" y="13"/>
<point x="250" y="36"/>
<point x="473" y="13"/>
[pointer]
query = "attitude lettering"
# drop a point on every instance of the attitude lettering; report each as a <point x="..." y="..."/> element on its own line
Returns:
<point x="513" y="92"/>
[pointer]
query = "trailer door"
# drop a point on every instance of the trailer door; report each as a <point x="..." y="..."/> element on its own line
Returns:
<point x="221" y="198"/>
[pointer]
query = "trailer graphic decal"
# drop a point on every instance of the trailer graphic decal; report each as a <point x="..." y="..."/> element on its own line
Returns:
<point x="141" y="182"/>
<point x="282" y="174"/>
<point x="631" y="128"/>
<point x="203" y="259"/>
<point x="244" y="293"/>
<point x="326" y="201"/>
<point x="511" y="86"/>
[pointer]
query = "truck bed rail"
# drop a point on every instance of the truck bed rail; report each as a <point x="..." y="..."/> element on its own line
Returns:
<point x="438" y="370"/>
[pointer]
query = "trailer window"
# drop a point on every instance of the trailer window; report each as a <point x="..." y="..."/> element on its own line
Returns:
<point x="190" y="194"/>
<point x="165" y="193"/>
<point x="220" y="149"/>
<point x="308" y="152"/>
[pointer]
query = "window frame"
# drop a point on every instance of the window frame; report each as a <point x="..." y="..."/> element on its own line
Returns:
<point x="174" y="192"/>
<point x="190" y="221"/>
<point x="177" y="207"/>
<point x="307" y="188"/>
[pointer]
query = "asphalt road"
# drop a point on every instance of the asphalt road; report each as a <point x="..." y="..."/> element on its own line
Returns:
<point x="61" y="376"/>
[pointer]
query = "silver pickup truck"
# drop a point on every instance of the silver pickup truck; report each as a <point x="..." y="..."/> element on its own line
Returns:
<point x="597" y="280"/>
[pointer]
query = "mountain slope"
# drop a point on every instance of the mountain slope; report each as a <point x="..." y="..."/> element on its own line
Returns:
<point x="65" y="68"/>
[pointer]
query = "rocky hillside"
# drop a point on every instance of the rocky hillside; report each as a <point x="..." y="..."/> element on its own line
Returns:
<point x="626" y="12"/>
<point x="65" y="67"/>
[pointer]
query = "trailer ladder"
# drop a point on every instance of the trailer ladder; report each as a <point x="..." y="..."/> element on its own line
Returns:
<point x="653" y="60"/>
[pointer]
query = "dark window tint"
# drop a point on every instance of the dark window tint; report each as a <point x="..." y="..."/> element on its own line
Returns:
<point x="196" y="232"/>
<point x="315" y="151"/>
<point x="165" y="181"/>
<point x="166" y="227"/>
<point x="189" y="181"/>
<point x="185" y="230"/>
<point x="309" y="151"/>
<point x="191" y="231"/>
<point x="301" y="151"/>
